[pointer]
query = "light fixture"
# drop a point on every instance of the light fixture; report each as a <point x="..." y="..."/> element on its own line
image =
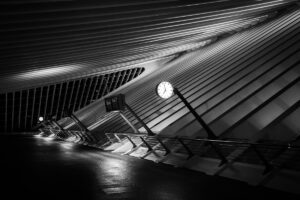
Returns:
<point x="165" y="90"/>
<point x="41" y="119"/>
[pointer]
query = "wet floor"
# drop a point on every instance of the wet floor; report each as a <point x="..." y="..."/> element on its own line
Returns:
<point x="41" y="168"/>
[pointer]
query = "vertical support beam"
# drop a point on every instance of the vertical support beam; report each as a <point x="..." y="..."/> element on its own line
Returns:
<point x="111" y="82"/>
<point x="82" y="93"/>
<point x="136" y="72"/>
<point x="13" y="111"/>
<point x="76" y="95"/>
<point x="133" y="72"/>
<point x="64" y="99"/>
<point x="117" y="82"/>
<point x="71" y="96"/>
<point x="99" y="88"/>
<point x="127" y="72"/>
<point x="105" y="80"/>
<point x="210" y="133"/>
<point x="123" y="77"/>
<point x="26" y="110"/>
<point x="58" y="100"/>
<point x="150" y="133"/>
<point x="94" y="89"/>
<point x="46" y="103"/>
<point x="52" y="100"/>
<point x="6" y="104"/>
<point x="88" y="91"/>
<point x="33" y="106"/>
<point x="40" y="101"/>
<point x="20" y="109"/>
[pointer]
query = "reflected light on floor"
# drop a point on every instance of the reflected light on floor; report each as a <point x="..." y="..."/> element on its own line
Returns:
<point x="50" y="137"/>
<point x="116" y="168"/>
<point x="38" y="135"/>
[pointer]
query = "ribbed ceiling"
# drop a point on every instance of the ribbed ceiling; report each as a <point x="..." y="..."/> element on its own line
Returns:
<point x="51" y="48"/>
<point x="244" y="86"/>
<point x="76" y="38"/>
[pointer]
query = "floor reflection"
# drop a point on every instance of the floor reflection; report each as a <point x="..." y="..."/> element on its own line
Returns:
<point x="43" y="168"/>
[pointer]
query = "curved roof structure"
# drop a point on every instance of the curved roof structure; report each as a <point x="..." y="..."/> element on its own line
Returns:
<point x="58" y="55"/>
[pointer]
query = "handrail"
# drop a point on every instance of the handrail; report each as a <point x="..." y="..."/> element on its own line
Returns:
<point x="287" y="145"/>
<point x="216" y="145"/>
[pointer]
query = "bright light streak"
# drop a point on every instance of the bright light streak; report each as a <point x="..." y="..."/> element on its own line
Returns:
<point x="53" y="71"/>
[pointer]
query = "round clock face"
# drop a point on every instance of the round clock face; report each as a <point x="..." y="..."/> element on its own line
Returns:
<point x="164" y="90"/>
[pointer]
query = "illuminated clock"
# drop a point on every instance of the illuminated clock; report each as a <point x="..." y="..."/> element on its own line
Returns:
<point x="164" y="90"/>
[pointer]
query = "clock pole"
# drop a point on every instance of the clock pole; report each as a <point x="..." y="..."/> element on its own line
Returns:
<point x="150" y="133"/>
<point x="210" y="133"/>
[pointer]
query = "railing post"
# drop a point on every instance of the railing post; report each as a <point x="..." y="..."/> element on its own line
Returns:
<point x="146" y="143"/>
<point x="133" y="144"/>
<point x="217" y="150"/>
<point x="186" y="147"/>
<point x="117" y="138"/>
<point x="268" y="166"/>
<point x="163" y="145"/>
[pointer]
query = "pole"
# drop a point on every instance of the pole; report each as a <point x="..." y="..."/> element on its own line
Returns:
<point x="128" y="122"/>
<point x="210" y="133"/>
<point x="150" y="133"/>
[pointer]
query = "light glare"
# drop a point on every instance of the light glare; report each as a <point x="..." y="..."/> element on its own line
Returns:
<point x="53" y="71"/>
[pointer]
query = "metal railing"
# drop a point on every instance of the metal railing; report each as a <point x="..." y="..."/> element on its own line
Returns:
<point x="271" y="155"/>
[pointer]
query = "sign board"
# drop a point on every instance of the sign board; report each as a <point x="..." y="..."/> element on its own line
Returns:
<point x="115" y="103"/>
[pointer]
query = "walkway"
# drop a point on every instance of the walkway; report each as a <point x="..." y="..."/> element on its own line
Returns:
<point x="41" y="168"/>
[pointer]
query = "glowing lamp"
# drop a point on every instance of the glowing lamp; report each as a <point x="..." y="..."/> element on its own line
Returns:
<point x="41" y="119"/>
